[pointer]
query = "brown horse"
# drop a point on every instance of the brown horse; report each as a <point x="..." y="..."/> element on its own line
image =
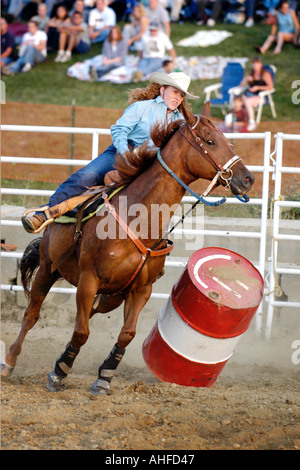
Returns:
<point x="108" y="271"/>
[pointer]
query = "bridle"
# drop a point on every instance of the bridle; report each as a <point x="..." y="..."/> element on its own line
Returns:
<point x="222" y="170"/>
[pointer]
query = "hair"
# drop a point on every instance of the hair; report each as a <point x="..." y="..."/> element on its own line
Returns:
<point x="140" y="7"/>
<point x="34" y="22"/>
<point x="76" y="13"/>
<point x="282" y="2"/>
<point x="130" y="165"/>
<point x="150" y="93"/>
<point x="119" y="35"/>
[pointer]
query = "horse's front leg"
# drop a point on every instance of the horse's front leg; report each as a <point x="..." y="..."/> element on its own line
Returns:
<point x="134" y="303"/>
<point x="86" y="290"/>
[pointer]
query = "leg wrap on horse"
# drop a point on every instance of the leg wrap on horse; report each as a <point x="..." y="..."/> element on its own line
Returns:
<point x="106" y="371"/>
<point x="65" y="362"/>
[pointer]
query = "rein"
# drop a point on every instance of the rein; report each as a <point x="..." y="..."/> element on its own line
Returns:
<point x="222" y="170"/>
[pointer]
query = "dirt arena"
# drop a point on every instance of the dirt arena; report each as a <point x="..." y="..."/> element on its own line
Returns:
<point x="254" y="405"/>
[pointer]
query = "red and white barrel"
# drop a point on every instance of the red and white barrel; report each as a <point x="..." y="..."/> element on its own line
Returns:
<point x="211" y="306"/>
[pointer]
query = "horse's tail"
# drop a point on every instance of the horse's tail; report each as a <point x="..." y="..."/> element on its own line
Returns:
<point x="29" y="263"/>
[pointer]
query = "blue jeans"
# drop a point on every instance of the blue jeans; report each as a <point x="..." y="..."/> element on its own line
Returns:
<point x="102" y="36"/>
<point x="150" y="65"/>
<point x="90" y="175"/>
<point x="31" y="56"/>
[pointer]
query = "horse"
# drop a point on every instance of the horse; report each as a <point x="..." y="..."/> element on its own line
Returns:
<point x="114" y="270"/>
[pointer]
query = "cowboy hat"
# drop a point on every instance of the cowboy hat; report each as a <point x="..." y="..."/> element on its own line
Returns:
<point x="176" y="79"/>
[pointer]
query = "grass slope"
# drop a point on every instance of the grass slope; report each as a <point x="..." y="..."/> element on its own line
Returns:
<point x="49" y="84"/>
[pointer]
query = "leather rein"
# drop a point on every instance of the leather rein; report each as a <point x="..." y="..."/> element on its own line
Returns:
<point x="222" y="170"/>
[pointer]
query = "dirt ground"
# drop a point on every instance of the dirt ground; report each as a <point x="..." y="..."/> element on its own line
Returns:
<point x="254" y="404"/>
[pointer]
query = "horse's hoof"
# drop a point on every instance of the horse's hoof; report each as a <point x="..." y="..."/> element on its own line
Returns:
<point x="6" y="370"/>
<point x="54" y="383"/>
<point x="100" y="388"/>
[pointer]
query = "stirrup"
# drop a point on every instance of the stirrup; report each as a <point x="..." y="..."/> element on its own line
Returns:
<point x="48" y="220"/>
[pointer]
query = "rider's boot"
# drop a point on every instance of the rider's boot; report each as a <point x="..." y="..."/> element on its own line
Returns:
<point x="32" y="223"/>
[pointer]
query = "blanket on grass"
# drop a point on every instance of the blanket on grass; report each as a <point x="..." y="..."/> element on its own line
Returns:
<point x="197" y="67"/>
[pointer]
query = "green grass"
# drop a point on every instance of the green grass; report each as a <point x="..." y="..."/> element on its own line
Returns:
<point x="49" y="84"/>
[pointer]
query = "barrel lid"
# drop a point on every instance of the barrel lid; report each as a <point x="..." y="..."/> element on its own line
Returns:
<point x="226" y="277"/>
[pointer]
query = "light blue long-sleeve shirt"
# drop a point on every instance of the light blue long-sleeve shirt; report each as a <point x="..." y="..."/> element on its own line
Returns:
<point x="137" y="121"/>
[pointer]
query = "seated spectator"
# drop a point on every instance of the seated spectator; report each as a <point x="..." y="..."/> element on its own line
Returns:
<point x="79" y="6"/>
<point x="237" y="118"/>
<point x="250" y="5"/>
<point x="54" y="26"/>
<point x="258" y="79"/>
<point x="101" y="19"/>
<point x="157" y="14"/>
<point x="33" y="49"/>
<point x="176" y="7"/>
<point x="155" y="45"/>
<point x="15" y="7"/>
<point x="119" y="7"/>
<point x="73" y="37"/>
<point x="215" y="5"/>
<point x="113" y="54"/>
<point x="41" y="18"/>
<point x="288" y="29"/>
<point x="7" y="45"/>
<point x="169" y="66"/>
<point x="133" y="32"/>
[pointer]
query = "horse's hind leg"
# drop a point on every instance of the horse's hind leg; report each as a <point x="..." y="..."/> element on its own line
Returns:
<point x="40" y="288"/>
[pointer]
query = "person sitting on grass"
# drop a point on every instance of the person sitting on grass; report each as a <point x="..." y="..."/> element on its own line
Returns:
<point x="73" y="37"/>
<point x="53" y="28"/>
<point x="113" y="55"/>
<point x="7" y="45"/>
<point x="33" y="50"/>
<point x="288" y="28"/>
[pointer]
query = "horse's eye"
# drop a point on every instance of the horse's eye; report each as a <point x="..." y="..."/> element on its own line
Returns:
<point x="210" y="142"/>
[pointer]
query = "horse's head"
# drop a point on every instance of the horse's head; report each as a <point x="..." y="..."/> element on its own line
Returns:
<point x="211" y="155"/>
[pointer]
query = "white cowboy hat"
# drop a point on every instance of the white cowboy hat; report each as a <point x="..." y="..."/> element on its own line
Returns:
<point x="176" y="79"/>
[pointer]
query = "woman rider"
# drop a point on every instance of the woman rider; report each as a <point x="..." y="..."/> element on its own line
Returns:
<point x="163" y="101"/>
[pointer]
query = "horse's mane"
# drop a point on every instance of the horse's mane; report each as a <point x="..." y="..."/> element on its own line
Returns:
<point x="133" y="163"/>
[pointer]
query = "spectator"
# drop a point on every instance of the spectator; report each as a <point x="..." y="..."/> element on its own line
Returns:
<point x="15" y="7"/>
<point x="288" y="28"/>
<point x="155" y="45"/>
<point x="157" y="14"/>
<point x="133" y="32"/>
<point x="119" y="7"/>
<point x="101" y="19"/>
<point x="41" y="18"/>
<point x="79" y="6"/>
<point x="237" y="117"/>
<point x="113" y="54"/>
<point x="259" y="79"/>
<point x="61" y="19"/>
<point x="176" y="7"/>
<point x="169" y="66"/>
<point x="250" y="5"/>
<point x="73" y="37"/>
<point x="7" y="46"/>
<point x="33" y="49"/>
<point x="215" y="5"/>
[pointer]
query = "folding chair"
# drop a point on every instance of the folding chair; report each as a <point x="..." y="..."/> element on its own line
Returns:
<point x="231" y="77"/>
<point x="265" y="97"/>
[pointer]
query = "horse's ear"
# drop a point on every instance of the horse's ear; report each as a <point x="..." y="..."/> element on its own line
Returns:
<point x="188" y="115"/>
<point x="206" y="109"/>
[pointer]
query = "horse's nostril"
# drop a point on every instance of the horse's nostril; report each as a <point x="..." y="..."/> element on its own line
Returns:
<point x="248" y="181"/>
